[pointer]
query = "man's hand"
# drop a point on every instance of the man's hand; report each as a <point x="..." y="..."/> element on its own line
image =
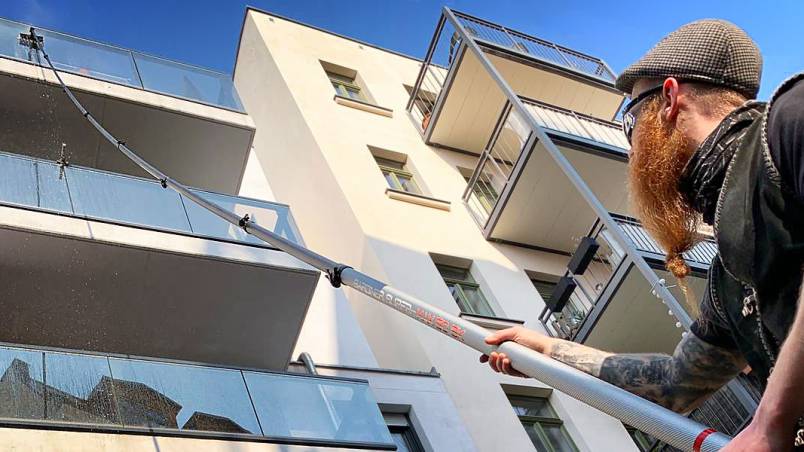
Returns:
<point x="499" y="362"/>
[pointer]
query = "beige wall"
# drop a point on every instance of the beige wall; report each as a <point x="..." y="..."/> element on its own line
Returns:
<point x="314" y="153"/>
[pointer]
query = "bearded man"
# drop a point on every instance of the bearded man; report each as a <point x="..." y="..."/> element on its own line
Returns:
<point x="704" y="150"/>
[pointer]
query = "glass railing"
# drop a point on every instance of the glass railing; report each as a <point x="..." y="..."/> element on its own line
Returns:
<point x="122" y="66"/>
<point x="64" y="388"/>
<point x="100" y="195"/>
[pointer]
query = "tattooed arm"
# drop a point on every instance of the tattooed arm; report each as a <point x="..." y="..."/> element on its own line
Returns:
<point x="679" y="382"/>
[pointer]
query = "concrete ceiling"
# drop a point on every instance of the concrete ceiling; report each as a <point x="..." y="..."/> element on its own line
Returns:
<point x="89" y="295"/>
<point x="545" y="209"/>
<point x="35" y="118"/>
<point x="474" y="101"/>
<point x="635" y="321"/>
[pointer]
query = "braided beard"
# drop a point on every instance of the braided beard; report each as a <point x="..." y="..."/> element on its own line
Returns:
<point x="654" y="172"/>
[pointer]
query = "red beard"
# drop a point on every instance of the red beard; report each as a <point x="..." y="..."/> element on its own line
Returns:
<point x="654" y="170"/>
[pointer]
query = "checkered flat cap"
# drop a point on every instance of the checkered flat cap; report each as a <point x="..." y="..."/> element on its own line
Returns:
<point x="709" y="50"/>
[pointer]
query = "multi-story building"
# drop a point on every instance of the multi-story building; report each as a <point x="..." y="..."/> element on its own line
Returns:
<point x="487" y="179"/>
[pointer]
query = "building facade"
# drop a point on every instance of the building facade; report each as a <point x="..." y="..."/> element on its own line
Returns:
<point x="487" y="179"/>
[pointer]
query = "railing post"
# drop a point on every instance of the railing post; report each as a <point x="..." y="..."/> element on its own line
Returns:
<point x="427" y="59"/>
<point x="564" y="57"/>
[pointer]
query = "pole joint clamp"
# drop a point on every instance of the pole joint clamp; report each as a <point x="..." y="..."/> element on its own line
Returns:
<point x="244" y="222"/>
<point x="334" y="274"/>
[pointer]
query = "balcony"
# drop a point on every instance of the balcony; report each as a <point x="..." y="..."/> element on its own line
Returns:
<point x="80" y="391"/>
<point x="101" y="261"/>
<point x="472" y="64"/>
<point x="610" y="294"/>
<point x="186" y="120"/>
<point x="518" y="193"/>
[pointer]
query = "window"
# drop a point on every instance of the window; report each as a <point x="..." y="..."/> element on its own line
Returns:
<point x="545" y="288"/>
<point x="544" y="427"/>
<point x="465" y="290"/>
<point x="643" y="441"/>
<point x="402" y="433"/>
<point x="345" y="86"/>
<point x="484" y="192"/>
<point x="392" y="165"/>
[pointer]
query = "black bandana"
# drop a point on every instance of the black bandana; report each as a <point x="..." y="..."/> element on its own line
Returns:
<point x="703" y="175"/>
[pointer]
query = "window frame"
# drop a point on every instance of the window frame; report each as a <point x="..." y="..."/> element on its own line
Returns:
<point x="395" y="173"/>
<point x="468" y="282"/>
<point x="536" y="423"/>
<point x="405" y="429"/>
<point x="343" y="83"/>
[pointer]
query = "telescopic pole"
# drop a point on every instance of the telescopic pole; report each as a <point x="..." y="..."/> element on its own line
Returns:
<point x="659" y="422"/>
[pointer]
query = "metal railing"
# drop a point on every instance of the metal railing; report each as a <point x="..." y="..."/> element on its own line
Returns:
<point x="701" y="254"/>
<point x="590" y="286"/>
<point x="532" y="46"/>
<point x="565" y="121"/>
<point x="65" y="389"/>
<point x="100" y="195"/>
<point x="123" y="67"/>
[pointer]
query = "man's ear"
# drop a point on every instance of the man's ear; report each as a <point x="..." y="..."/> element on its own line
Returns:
<point x="670" y="99"/>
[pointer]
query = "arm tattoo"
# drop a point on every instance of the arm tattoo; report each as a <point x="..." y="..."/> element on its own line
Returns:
<point x="679" y="382"/>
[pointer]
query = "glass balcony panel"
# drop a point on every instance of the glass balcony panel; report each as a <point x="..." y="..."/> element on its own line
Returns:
<point x="91" y="59"/>
<point x="52" y="183"/>
<point x="306" y="407"/>
<point x="186" y="81"/>
<point x="119" y="198"/>
<point x="18" y="181"/>
<point x="270" y="216"/>
<point x="21" y="384"/>
<point x="79" y="389"/>
<point x="183" y="397"/>
<point x="9" y="39"/>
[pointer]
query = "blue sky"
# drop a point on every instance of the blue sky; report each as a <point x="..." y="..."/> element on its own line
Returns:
<point x="205" y="32"/>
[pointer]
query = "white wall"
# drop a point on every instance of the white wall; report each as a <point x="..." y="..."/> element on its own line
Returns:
<point x="314" y="153"/>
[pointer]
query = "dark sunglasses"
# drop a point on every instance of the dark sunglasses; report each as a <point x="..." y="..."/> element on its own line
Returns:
<point x="629" y="118"/>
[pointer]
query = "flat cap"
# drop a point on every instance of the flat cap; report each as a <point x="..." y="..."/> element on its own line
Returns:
<point x="708" y="50"/>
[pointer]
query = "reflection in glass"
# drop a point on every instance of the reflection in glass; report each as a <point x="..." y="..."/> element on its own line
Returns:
<point x="79" y="389"/>
<point x="306" y="407"/>
<point x="18" y="181"/>
<point x="21" y="384"/>
<point x="125" y="199"/>
<point x="165" y="395"/>
<point x="266" y="215"/>
<point x="187" y="81"/>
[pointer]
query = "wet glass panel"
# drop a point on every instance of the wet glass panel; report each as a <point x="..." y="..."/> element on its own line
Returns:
<point x="118" y="198"/>
<point x="53" y="193"/>
<point x="408" y="184"/>
<point x="315" y="408"/>
<point x="18" y="181"/>
<point x="273" y="217"/>
<point x="531" y="406"/>
<point x="22" y="389"/>
<point x="79" y="389"/>
<point x="537" y="437"/>
<point x="91" y="59"/>
<point x="9" y="39"/>
<point x="187" y="81"/>
<point x="181" y="396"/>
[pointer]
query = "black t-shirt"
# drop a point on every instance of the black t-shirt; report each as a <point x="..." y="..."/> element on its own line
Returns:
<point x="786" y="144"/>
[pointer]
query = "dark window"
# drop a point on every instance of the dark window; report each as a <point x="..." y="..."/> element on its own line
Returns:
<point x="544" y="427"/>
<point x="402" y="433"/>
<point x="545" y="288"/>
<point x="465" y="290"/>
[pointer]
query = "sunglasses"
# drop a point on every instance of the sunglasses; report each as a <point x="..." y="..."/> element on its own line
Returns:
<point x="630" y="115"/>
